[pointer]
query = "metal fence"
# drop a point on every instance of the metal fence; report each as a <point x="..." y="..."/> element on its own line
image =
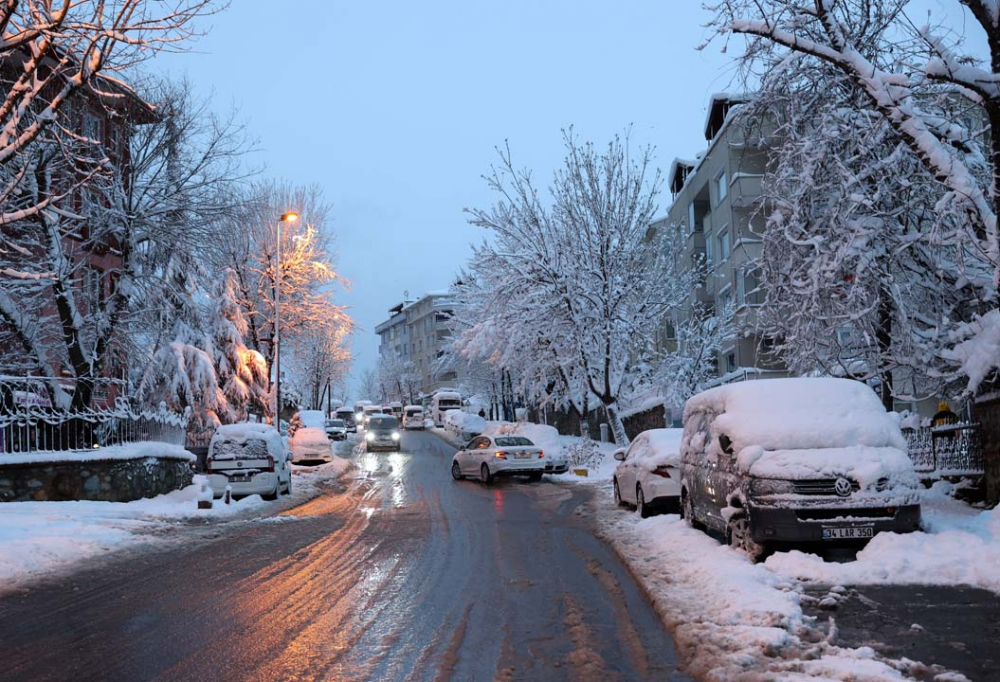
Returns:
<point x="37" y="415"/>
<point x="948" y="450"/>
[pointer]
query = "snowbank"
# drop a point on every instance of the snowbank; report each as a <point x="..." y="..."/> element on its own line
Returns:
<point x="110" y="452"/>
<point x="464" y="422"/>
<point x="44" y="538"/>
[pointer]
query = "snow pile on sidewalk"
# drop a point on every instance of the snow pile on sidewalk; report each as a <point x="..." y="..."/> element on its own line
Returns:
<point x="732" y="620"/>
<point x="463" y="424"/>
<point x="110" y="452"/>
<point x="558" y="446"/>
<point x="43" y="538"/>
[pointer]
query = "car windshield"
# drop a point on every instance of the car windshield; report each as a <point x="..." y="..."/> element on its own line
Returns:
<point x="383" y="422"/>
<point x="512" y="441"/>
<point x="413" y="413"/>
<point x="334" y="422"/>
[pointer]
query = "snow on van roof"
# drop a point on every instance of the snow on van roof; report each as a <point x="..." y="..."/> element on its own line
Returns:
<point x="801" y="413"/>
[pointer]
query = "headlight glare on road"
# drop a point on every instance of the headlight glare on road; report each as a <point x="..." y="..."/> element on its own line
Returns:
<point x="395" y="435"/>
<point x="370" y="435"/>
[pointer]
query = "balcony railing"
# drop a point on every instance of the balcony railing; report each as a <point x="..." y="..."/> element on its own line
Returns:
<point x="948" y="450"/>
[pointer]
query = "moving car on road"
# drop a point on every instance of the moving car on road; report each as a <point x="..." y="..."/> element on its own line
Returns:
<point x="250" y="459"/>
<point x="336" y="429"/>
<point x="368" y="412"/>
<point x="382" y="433"/>
<point x="413" y="417"/>
<point x="307" y="437"/>
<point x="488" y="457"/>
<point x="795" y="461"/>
<point x="648" y="474"/>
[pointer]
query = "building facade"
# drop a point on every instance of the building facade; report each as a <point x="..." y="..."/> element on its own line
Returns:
<point x="417" y="332"/>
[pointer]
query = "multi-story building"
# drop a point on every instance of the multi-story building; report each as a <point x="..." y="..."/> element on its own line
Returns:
<point x="717" y="207"/>
<point x="417" y="332"/>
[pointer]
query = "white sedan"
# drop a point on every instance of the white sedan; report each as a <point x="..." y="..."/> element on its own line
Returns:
<point x="307" y="438"/>
<point x="648" y="473"/>
<point x="487" y="457"/>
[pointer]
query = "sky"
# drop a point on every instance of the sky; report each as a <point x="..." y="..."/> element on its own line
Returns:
<point x="394" y="108"/>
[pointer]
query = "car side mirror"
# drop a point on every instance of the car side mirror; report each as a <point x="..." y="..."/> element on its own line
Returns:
<point x="620" y="455"/>
<point x="726" y="443"/>
<point x="288" y="456"/>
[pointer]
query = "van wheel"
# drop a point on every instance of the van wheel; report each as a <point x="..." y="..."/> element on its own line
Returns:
<point x="271" y="497"/>
<point x="640" y="504"/>
<point x="456" y="471"/>
<point x="484" y="475"/>
<point x="687" y="511"/>
<point x="619" y="502"/>
<point x="740" y="536"/>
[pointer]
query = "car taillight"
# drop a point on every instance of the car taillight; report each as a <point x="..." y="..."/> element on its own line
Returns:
<point x="541" y="453"/>
<point x="270" y="463"/>
<point x="662" y="471"/>
<point x="500" y="455"/>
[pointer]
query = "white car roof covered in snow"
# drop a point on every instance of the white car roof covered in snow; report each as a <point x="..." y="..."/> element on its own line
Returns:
<point x="798" y="414"/>
<point x="240" y="433"/>
<point x="657" y="447"/>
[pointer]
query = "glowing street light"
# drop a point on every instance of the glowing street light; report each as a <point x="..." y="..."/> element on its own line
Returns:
<point x="289" y="217"/>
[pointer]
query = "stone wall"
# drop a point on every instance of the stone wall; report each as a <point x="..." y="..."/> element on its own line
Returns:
<point x="643" y="421"/>
<point x="118" y="480"/>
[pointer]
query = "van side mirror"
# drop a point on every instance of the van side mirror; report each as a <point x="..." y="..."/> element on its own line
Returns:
<point x="726" y="443"/>
<point x="620" y="455"/>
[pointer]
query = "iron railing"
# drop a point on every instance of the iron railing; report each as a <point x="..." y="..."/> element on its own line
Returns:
<point x="946" y="450"/>
<point x="37" y="415"/>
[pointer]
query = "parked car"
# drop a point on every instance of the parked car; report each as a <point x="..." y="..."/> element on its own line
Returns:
<point x="648" y="474"/>
<point x="489" y="457"/>
<point x="795" y="461"/>
<point x="307" y="437"/>
<point x="382" y="433"/>
<point x="413" y="417"/>
<point x="347" y="415"/>
<point x="249" y="458"/>
<point x="336" y="429"/>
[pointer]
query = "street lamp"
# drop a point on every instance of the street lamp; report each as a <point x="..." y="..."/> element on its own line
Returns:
<point x="289" y="217"/>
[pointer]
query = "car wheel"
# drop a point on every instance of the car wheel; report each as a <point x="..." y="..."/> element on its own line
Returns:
<point x="619" y="502"/>
<point x="271" y="497"/>
<point x="288" y="488"/>
<point x="484" y="475"/>
<point x="687" y="511"/>
<point x="740" y="537"/>
<point x="640" y="504"/>
<point x="456" y="471"/>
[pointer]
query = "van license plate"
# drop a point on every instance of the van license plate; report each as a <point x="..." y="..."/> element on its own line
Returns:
<point x="239" y="478"/>
<point x="858" y="533"/>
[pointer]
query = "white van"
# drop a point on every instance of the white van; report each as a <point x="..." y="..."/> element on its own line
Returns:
<point x="249" y="458"/>
<point x="413" y="417"/>
<point x="367" y="412"/>
<point x="442" y="402"/>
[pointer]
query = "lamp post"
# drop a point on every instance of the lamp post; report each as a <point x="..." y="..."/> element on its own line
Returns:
<point x="289" y="217"/>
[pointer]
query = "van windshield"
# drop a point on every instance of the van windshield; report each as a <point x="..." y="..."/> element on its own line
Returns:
<point x="334" y="422"/>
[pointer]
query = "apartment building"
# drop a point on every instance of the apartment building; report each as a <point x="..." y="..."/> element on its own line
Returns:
<point x="717" y="205"/>
<point x="417" y="331"/>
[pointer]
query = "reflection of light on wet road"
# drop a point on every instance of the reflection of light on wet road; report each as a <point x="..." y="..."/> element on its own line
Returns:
<point x="498" y="501"/>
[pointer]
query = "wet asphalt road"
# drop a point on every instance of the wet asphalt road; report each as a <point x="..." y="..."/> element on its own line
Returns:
<point x="406" y="575"/>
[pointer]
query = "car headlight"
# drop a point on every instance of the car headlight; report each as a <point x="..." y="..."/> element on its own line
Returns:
<point x="395" y="435"/>
<point x="370" y="435"/>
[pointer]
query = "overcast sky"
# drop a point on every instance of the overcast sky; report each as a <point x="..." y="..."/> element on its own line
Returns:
<point x="394" y="109"/>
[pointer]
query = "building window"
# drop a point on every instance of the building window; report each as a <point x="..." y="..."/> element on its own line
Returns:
<point x="844" y="336"/>
<point x="748" y="290"/>
<point x="691" y="225"/>
<point x="708" y="251"/>
<point x="722" y="238"/>
<point x="720" y="187"/>
<point x="731" y="361"/>
<point x="92" y="127"/>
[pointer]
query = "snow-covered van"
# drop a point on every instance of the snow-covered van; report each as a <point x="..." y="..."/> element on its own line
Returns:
<point x="347" y="414"/>
<point x="442" y="402"/>
<point x="413" y="417"/>
<point x="250" y="458"/>
<point x="791" y="461"/>
<point x="369" y="411"/>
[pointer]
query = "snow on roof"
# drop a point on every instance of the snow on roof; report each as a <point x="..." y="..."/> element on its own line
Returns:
<point x="718" y="110"/>
<point x="788" y="414"/>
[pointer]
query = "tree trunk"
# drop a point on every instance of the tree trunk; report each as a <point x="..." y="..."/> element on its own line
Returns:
<point x="617" y="425"/>
<point x="585" y="418"/>
<point x="884" y="340"/>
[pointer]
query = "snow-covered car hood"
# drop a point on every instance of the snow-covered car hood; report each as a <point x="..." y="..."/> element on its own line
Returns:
<point x="310" y="437"/>
<point x="864" y="464"/>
